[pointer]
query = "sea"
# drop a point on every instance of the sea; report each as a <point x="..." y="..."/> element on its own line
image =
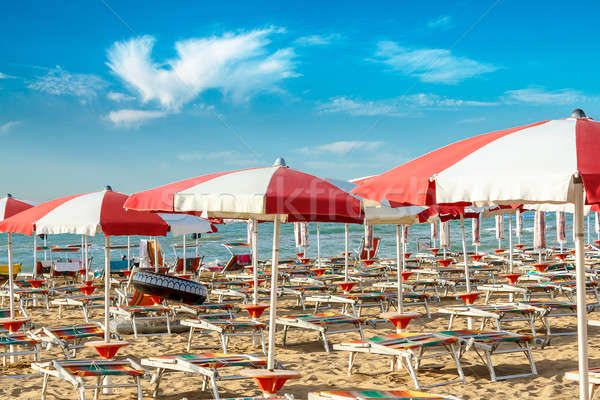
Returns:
<point x="332" y="241"/>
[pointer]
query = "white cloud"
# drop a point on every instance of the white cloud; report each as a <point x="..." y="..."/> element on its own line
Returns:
<point x="443" y="22"/>
<point x="430" y="65"/>
<point x="317" y="40"/>
<point x="395" y="107"/>
<point x="60" y="82"/>
<point x="4" y="76"/>
<point x="539" y="95"/>
<point x="119" y="97"/>
<point x="342" y="147"/>
<point x="133" y="118"/>
<point x="239" y="65"/>
<point x="6" y="127"/>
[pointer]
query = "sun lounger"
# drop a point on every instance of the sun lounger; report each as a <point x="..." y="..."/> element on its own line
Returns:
<point x="207" y="365"/>
<point x="68" y="338"/>
<point x="374" y="394"/>
<point x="244" y="294"/>
<point x="86" y="303"/>
<point x="74" y="372"/>
<point x="594" y="379"/>
<point x="207" y="310"/>
<point x="407" y="350"/>
<point x="497" y="313"/>
<point x="10" y="342"/>
<point x="321" y="323"/>
<point x="226" y="328"/>
<point x="495" y="343"/>
<point x="301" y="291"/>
<point x="141" y="313"/>
<point x="356" y="301"/>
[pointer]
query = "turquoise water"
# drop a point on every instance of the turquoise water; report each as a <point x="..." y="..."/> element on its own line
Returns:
<point x="332" y="240"/>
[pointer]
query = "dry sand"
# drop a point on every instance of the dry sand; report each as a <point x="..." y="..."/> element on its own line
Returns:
<point x="322" y="371"/>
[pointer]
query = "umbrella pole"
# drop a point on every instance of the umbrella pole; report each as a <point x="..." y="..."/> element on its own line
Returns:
<point x="318" y="244"/>
<point x="196" y="245"/>
<point x="87" y="267"/>
<point x="464" y="246"/>
<point x="45" y="244"/>
<point x="582" y="349"/>
<point x="399" y="267"/>
<point x="184" y="256"/>
<point x="128" y="252"/>
<point x="11" y="289"/>
<point x="273" y="305"/>
<point x="82" y="250"/>
<point x="106" y="288"/>
<point x="155" y="254"/>
<point x="346" y="252"/>
<point x="510" y="246"/>
<point x="255" y="260"/>
<point x="34" y="255"/>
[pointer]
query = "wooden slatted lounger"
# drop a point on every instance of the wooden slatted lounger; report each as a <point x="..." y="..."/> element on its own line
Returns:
<point x="227" y="327"/>
<point x="68" y="338"/>
<point x="208" y="365"/>
<point x="138" y="313"/>
<point x="407" y="350"/>
<point x="322" y="323"/>
<point x="73" y="371"/>
<point x="374" y="394"/>
<point x="489" y="342"/>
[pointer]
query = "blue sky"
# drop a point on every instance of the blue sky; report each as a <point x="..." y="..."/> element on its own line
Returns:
<point x="154" y="91"/>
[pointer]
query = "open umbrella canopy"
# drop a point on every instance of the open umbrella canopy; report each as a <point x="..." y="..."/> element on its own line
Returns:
<point x="257" y="193"/>
<point x="184" y="224"/>
<point x="86" y="214"/>
<point x="10" y="206"/>
<point x="534" y="163"/>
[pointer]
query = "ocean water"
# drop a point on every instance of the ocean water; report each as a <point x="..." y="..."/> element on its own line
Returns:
<point x="332" y="240"/>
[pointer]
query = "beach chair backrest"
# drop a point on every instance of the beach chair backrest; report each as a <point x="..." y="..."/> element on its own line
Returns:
<point x="192" y="264"/>
<point x="152" y="247"/>
<point x="367" y="254"/>
<point x="140" y="299"/>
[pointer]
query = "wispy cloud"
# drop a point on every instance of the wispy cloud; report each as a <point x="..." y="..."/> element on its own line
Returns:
<point x="443" y="22"/>
<point x="6" y="127"/>
<point x="239" y="65"/>
<point x="471" y="120"/>
<point x="317" y="40"/>
<point x="61" y="82"/>
<point x="430" y="65"/>
<point x="540" y="95"/>
<point x="395" y="107"/>
<point x="5" y="76"/>
<point x="128" y="118"/>
<point x="342" y="147"/>
<point x="119" y="97"/>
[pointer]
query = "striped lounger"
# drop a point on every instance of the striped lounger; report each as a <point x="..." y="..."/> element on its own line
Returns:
<point x="377" y="395"/>
<point x="227" y="327"/>
<point x="321" y="323"/>
<point x="408" y="349"/>
<point x="74" y="372"/>
<point x="498" y="313"/>
<point x="206" y="364"/>
<point x="495" y="343"/>
<point x="69" y="338"/>
<point x="594" y="378"/>
<point x="9" y="341"/>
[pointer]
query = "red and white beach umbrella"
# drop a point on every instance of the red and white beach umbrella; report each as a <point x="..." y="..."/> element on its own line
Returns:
<point x="434" y="232"/>
<point x="499" y="227"/>
<point x="276" y="193"/>
<point x="539" y="231"/>
<point x="10" y="206"/>
<point x="475" y="231"/>
<point x="87" y="214"/>
<point x="445" y="234"/>
<point x="556" y="161"/>
<point x="561" y="236"/>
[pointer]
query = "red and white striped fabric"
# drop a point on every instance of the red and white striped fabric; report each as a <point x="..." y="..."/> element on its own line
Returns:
<point x="257" y="193"/>
<point x="445" y="234"/>
<point x="499" y="227"/>
<point x="405" y="234"/>
<point x="475" y="231"/>
<point x="301" y="234"/>
<point x="539" y="230"/>
<point x="561" y="227"/>
<point x="526" y="164"/>
<point x="86" y="214"/>
<point x="368" y="236"/>
<point x="10" y="206"/>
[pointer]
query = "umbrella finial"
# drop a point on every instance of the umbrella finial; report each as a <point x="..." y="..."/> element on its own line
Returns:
<point x="108" y="187"/>
<point x="280" y="162"/>
<point x="8" y="195"/>
<point x="578" y="113"/>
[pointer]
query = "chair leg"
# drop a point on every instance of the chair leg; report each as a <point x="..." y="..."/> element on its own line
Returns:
<point x="215" y="388"/>
<point x="139" y="388"/>
<point x="44" y="386"/>
<point x="189" y="343"/>
<point x="325" y="343"/>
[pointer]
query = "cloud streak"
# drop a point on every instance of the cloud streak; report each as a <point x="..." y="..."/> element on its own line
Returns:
<point x="61" y="82"/>
<point x="6" y="127"/>
<point x="342" y="147"/>
<point x="128" y="118"/>
<point x="540" y="95"/>
<point x="429" y="65"/>
<point x="239" y="65"/>
<point x="443" y="22"/>
<point x="317" y="40"/>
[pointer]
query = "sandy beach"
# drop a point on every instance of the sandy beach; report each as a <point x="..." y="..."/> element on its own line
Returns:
<point x="322" y="371"/>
